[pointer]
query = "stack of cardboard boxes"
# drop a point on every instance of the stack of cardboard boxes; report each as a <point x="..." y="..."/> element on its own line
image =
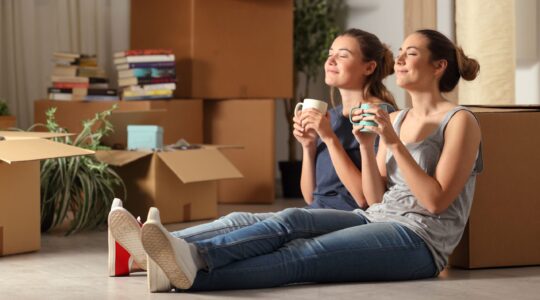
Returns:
<point x="237" y="57"/>
<point x="233" y="59"/>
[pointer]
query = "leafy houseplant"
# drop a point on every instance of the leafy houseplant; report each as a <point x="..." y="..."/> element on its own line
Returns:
<point x="81" y="187"/>
<point x="4" y="111"/>
<point x="6" y="120"/>
<point x="315" y="27"/>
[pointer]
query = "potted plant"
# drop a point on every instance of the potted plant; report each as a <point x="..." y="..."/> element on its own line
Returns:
<point x="80" y="189"/>
<point x="6" y="120"/>
<point x="315" y="27"/>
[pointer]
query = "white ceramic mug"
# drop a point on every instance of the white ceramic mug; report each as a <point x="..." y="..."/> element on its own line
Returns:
<point x="311" y="103"/>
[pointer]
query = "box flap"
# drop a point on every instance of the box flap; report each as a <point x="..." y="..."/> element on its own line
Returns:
<point x="120" y="157"/>
<point x="20" y="135"/>
<point x="36" y="149"/>
<point x="199" y="165"/>
<point x="503" y="108"/>
<point x="207" y="146"/>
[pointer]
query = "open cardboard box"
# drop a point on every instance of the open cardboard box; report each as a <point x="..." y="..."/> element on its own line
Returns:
<point x="182" y="184"/>
<point x="504" y="224"/>
<point x="20" y="218"/>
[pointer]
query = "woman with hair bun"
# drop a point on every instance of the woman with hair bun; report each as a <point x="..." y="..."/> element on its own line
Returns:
<point x="419" y="187"/>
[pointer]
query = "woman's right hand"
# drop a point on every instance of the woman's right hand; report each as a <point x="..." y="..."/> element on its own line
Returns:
<point x="307" y="138"/>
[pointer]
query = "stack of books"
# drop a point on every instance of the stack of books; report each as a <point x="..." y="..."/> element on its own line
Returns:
<point x="77" y="77"/>
<point x="146" y="74"/>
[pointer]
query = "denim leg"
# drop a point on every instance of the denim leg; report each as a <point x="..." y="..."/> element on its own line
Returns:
<point x="228" y="223"/>
<point x="370" y="252"/>
<point x="267" y="236"/>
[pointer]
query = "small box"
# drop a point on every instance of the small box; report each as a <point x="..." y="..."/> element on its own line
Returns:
<point x="149" y="137"/>
<point x="20" y="153"/>
<point x="504" y="224"/>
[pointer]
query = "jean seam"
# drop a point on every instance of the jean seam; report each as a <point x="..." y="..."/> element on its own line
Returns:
<point x="214" y="230"/>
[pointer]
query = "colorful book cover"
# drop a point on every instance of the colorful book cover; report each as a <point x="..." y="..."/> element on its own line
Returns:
<point x="163" y="64"/>
<point x="143" y="52"/>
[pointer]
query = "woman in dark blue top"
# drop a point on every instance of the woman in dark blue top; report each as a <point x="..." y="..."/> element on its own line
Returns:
<point x="331" y="178"/>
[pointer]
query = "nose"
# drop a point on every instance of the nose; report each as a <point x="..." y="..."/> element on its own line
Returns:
<point x="331" y="60"/>
<point x="400" y="59"/>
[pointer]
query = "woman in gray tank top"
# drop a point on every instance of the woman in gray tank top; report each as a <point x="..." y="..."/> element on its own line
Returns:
<point x="419" y="186"/>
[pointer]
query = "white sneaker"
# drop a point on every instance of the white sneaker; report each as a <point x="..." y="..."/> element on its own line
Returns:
<point x="126" y="253"/>
<point x="171" y="254"/>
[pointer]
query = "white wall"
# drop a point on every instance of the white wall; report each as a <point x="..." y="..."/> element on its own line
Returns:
<point x="527" y="52"/>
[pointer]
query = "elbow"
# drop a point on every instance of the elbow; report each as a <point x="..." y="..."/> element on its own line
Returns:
<point x="436" y="207"/>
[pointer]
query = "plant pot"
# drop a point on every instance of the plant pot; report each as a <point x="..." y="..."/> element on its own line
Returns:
<point x="7" y="122"/>
<point x="290" y="178"/>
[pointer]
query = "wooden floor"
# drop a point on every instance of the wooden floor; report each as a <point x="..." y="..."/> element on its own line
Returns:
<point x="75" y="267"/>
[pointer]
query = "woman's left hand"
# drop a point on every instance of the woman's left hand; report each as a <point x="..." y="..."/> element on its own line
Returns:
<point x="314" y="119"/>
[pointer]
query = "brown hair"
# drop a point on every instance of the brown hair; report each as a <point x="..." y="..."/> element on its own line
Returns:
<point x="373" y="50"/>
<point x="459" y="64"/>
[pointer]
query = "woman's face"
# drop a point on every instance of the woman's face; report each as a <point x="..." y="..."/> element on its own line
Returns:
<point x="413" y="66"/>
<point x="345" y="67"/>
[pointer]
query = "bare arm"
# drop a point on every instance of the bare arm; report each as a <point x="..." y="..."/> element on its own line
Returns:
<point x="462" y="139"/>
<point x="307" y="179"/>
<point x="348" y="173"/>
<point x="373" y="165"/>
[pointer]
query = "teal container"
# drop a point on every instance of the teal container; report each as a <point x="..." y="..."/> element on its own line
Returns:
<point x="145" y="137"/>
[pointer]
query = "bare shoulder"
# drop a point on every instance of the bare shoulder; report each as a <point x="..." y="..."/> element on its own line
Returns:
<point x="464" y="123"/>
<point x="393" y="115"/>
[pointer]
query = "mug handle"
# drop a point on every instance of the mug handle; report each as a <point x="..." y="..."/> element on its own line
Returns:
<point x="351" y="113"/>
<point x="298" y="108"/>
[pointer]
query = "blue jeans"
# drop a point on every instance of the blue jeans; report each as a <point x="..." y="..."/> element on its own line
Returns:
<point x="226" y="224"/>
<point x="237" y="220"/>
<point x="317" y="245"/>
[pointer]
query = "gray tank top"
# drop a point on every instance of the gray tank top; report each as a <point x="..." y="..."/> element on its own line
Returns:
<point x="440" y="232"/>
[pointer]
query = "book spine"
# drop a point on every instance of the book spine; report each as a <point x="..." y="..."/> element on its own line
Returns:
<point x="155" y="80"/>
<point x="70" y="85"/>
<point x="149" y="58"/>
<point x="145" y="52"/>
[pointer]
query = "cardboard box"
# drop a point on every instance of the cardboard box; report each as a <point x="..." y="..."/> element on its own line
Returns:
<point x="181" y="118"/>
<point x="504" y="224"/>
<point x="7" y="122"/>
<point x="20" y="216"/>
<point x="181" y="184"/>
<point x="224" y="49"/>
<point x="250" y="123"/>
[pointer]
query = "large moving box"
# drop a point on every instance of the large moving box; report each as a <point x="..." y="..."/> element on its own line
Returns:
<point x="250" y="123"/>
<point x="504" y="224"/>
<point x="181" y="184"/>
<point x="181" y="118"/>
<point x="20" y="218"/>
<point x="224" y="48"/>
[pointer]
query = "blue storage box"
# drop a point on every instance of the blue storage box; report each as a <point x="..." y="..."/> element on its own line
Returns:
<point x="148" y="137"/>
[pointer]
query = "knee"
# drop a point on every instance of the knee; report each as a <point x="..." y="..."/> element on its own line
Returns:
<point x="237" y="218"/>
<point x="293" y="215"/>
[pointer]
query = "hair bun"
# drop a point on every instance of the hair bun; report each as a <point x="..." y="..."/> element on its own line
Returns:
<point x="468" y="67"/>
<point x="388" y="61"/>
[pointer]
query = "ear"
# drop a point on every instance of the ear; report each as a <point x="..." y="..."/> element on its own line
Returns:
<point x="370" y="67"/>
<point x="440" y="66"/>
